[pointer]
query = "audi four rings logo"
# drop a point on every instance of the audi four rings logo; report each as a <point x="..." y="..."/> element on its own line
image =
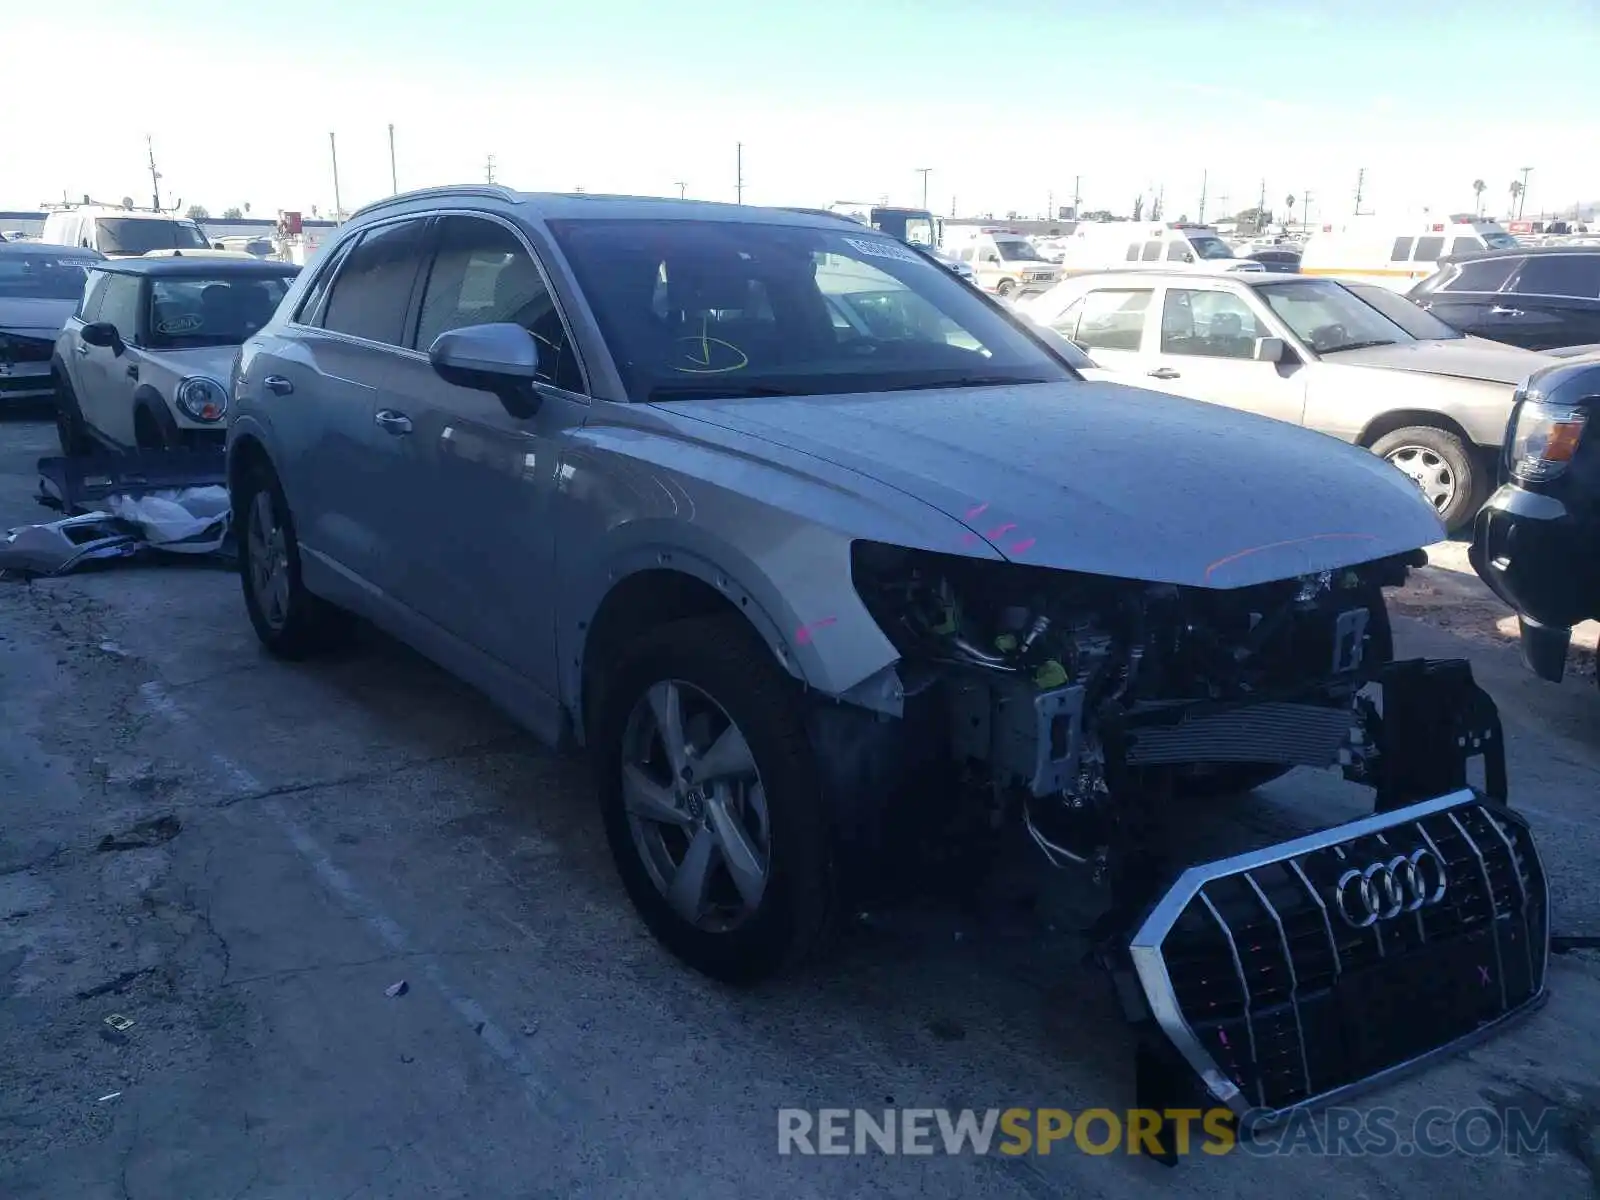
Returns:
<point x="1384" y="890"/>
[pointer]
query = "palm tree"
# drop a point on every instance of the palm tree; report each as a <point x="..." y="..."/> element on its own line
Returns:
<point x="1516" y="190"/>
<point x="1478" y="187"/>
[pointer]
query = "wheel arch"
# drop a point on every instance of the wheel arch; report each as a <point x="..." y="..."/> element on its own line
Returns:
<point x="1387" y="422"/>
<point x="146" y="399"/>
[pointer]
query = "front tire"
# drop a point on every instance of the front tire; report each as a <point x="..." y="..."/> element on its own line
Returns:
<point x="1005" y="287"/>
<point x="1442" y="466"/>
<point x="291" y="622"/>
<point x="713" y="803"/>
<point x="70" y="431"/>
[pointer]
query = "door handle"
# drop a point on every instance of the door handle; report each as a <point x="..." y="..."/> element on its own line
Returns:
<point x="393" y="422"/>
<point x="133" y="371"/>
<point x="1163" y="373"/>
<point x="277" y="385"/>
<point x="1497" y="311"/>
<point x="83" y="349"/>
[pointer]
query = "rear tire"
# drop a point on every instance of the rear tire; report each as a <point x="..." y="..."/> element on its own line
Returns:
<point x="1005" y="287"/>
<point x="1444" y="467"/>
<point x="721" y="677"/>
<point x="291" y="622"/>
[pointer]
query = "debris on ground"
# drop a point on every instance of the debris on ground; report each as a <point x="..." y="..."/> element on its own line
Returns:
<point x="397" y="989"/>
<point x="143" y="835"/>
<point x="119" y="1022"/>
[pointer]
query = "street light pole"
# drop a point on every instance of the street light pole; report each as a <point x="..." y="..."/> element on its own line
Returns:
<point x="1522" y="196"/>
<point x="394" y="178"/>
<point x="338" y="206"/>
<point x="738" y="173"/>
<point x="924" y="172"/>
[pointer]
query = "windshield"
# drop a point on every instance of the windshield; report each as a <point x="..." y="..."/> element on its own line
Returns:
<point x="1017" y="250"/>
<point x="42" y="276"/>
<point x="1210" y="247"/>
<point x="919" y="231"/>
<point x="192" y="311"/>
<point x="1329" y="317"/>
<point x="1417" y="321"/>
<point x="696" y="309"/>
<point x="1499" y="240"/>
<point x="138" y="235"/>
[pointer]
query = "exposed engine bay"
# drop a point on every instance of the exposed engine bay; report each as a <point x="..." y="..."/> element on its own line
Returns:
<point x="1090" y="709"/>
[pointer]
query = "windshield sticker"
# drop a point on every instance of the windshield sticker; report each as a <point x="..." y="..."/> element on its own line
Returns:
<point x="184" y="324"/>
<point x="882" y="248"/>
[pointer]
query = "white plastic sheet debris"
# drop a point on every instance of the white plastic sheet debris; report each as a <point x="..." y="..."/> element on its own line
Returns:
<point x="185" y="521"/>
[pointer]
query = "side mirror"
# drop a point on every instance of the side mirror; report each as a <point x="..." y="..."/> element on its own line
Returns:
<point x="103" y="334"/>
<point x="1269" y="349"/>
<point x="501" y="358"/>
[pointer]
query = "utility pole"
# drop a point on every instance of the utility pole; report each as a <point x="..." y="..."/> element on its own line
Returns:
<point x="394" y="178"/>
<point x="1049" y="206"/>
<point x="1305" y="209"/>
<point x="1522" y="196"/>
<point x="1261" y="206"/>
<point x="1161" y="194"/>
<point x="488" y="169"/>
<point x="1077" y="181"/>
<point x="738" y="173"/>
<point x="1205" y="178"/>
<point x="682" y="188"/>
<point x="338" y="208"/>
<point x="155" y="175"/>
<point x="924" y="172"/>
<point x="1227" y="213"/>
<point x="1361" y="181"/>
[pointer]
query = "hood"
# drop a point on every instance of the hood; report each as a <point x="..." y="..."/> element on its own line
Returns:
<point x="1108" y="479"/>
<point x="1461" y="358"/>
<point x="216" y="362"/>
<point x="34" y="316"/>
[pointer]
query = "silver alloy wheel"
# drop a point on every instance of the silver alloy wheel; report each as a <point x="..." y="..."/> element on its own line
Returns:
<point x="269" y="561"/>
<point x="1429" y="471"/>
<point x="696" y="806"/>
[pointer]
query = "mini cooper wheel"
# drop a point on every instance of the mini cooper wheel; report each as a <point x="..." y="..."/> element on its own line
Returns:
<point x="711" y="801"/>
<point x="70" y="433"/>
<point x="290" y="621"/>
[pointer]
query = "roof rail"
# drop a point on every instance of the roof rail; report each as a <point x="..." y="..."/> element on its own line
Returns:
<point x="488" y="190"/>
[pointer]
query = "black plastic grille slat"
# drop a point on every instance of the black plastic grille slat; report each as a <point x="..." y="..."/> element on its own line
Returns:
<point x="1292" y="1002"/>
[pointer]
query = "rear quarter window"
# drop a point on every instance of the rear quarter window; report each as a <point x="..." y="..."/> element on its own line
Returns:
<point x="1576" y="275"/>
<point x="1487" y="276"/>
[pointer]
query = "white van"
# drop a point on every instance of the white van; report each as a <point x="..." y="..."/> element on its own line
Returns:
<point x="1397" y="253"/>
<point x="1143" y="245"/>
<point x="1003" y="261"/>
<point x="122" y="232"/>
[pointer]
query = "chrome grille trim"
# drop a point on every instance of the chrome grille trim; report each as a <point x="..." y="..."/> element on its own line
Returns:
<point x="1386" y="1049"/>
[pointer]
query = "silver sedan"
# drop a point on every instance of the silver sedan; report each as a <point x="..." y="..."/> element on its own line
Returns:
<point x="1311" y="351"/>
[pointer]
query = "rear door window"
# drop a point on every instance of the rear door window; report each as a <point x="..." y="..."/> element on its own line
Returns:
<point x="1465" y="245"/>
<point x="372" y="290"/>
<point x="1113" y="319"/>
<point x="1489" y="275"/>
<point x="1401" y="251"/>
<point x="1575" y="275"/>
<point x="1152" y="251"/>
<point x="1428" y="249"/>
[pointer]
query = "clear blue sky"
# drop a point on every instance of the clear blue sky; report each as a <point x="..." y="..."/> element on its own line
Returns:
<point x="1006" y="100"/>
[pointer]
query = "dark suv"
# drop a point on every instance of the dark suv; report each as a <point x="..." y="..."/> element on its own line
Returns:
<point x="1537" y="298"/>
<point x="1535" y="542"/>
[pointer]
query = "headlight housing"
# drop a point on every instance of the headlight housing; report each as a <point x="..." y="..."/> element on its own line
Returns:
<point x="202" y="399"/>
<point x="1544" y="437"/>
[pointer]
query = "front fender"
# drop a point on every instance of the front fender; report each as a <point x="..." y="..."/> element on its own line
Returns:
<point x="769" y="528"/>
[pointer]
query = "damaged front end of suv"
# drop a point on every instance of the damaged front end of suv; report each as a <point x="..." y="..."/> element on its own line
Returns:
<point x="1089" y="709"/>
